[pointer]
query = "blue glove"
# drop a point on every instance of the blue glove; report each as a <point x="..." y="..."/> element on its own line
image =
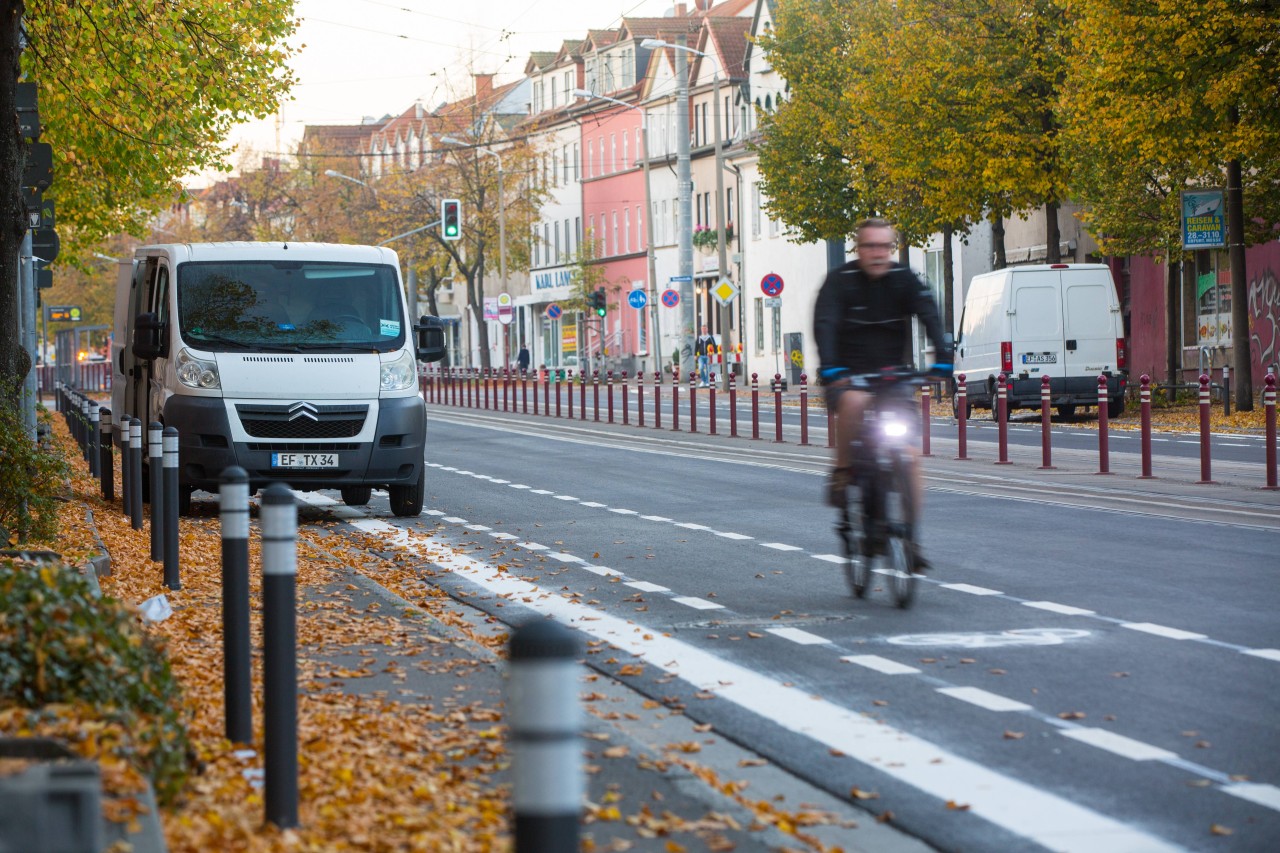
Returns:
<point x="833" y="374"/>
<point x="941" y="370"/>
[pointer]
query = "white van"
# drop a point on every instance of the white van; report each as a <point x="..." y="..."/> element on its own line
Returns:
<point x="1057" y="320"/>
<point x="295" y="361"/>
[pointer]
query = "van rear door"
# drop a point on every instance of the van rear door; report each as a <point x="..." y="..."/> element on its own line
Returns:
<point x="1090" y="323"/>
<point x="1037" y="323"/>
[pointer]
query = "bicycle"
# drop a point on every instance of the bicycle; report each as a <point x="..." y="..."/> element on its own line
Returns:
<point x="879" y="524"/>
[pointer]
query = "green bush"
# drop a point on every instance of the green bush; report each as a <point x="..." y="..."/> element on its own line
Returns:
<point x="31" y="478"/>
<point x="59" y="644"/>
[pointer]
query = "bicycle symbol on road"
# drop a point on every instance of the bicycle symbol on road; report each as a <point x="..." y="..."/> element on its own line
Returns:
<point x="993" y="639"/>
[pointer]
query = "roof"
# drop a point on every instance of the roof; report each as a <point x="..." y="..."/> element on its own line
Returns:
<point x="729" y="41"/>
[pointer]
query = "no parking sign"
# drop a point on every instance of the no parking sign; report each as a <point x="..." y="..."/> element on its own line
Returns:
<point x="670" y="298"/>
<point x="771" y="284"/>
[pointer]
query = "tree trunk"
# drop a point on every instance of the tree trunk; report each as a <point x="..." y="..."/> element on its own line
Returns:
<point x="1052" y="236"/>
<point x="997" y="240"/>
<point x="1173" y="322"/>
<point x="1242" y="360"/>
<point x="15" y="362"/>
<point x="475" y="298"/>
<point x="948" y="280"/>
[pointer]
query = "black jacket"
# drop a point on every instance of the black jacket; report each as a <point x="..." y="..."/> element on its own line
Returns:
<point x="863" y="325"/>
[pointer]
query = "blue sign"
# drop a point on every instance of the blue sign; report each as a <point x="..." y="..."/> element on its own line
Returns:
<point x="637" y="299"/>
<point x="554" y="311"/>
<point x="681" y="278"/>
<point x="1204" y="221"/>
<point x="670" y="298"/>
<point x="771" y="284"/>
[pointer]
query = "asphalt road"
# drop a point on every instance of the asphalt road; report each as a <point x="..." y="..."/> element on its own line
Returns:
<point x="1093" y="665"/>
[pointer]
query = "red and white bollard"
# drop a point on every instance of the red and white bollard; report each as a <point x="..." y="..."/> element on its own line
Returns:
<point x="1206" y="474"/>
<point x="609" y="382"/>
<point x="711" y="405"/>
<point x="733" y="405"/>
<point x="962" y="417"/>
<point x="595" y="395"/>
<point x="657" y="398"/>
<point x="582" y="396"/>
<point x="1002" y="418"/>
<point x="777" y="407"/>
<point x="1269" y="405"/>
<point x="1046" y="397"/>
<point x="675" y="399"/>
<point x="804" y="410"/>
<point x="1144" y="397"/>
<point x="1104" y="446"/>
<point x="925" y="405"/>
<point x="755" y="406"/>
<point x="693" y="401"/>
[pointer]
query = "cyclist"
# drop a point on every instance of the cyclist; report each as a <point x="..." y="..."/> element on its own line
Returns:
<point x="861" y="323"/>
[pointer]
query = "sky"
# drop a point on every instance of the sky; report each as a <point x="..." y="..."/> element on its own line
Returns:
<point x="376" y="57"/>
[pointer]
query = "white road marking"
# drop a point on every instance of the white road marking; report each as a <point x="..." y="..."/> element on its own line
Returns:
<point x="499" y="482"/>
<point x="655" y="518"/>
<point x="603" y="571"/>
<point x="830" y="558"/>
<point x="503" y="536"/>
<point x="1255" y="792"/>
<point x="879" y="664"/>
<point x="542" y="492"/>
<point x="624" y="511"/>
<point x="432" y="512"/>
<point x="971" y="589"/>
<point x="984" y="699"/>
<point x="645" y="586"/>
<point x="780" y="546"/>
<point x="1267" y="654"/>
<point x="565" y="558"/>
<point x="519" y="486"/>
<point x="1065" y="609"/>
<point x="1162" y="631"/>
<point x="1125" y="747"/>
<point x="565" y="498"/>
<point x="478" y="527"/>
<point x="795" y="635"/>
<point x="593" y="504"/>
<point x="532" y="546"/>
<point x="453" y="519"/>
<point x="727" y="535"/>
<point x="689" y="525"/>
<point x="697" y="603"/>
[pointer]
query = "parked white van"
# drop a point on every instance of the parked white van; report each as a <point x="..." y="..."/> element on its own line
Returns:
<point x="1057" y="320"/>
<point x="295" y="361"/>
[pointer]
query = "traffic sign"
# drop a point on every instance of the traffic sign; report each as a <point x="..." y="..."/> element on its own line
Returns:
<point x="64" y="313"/>
<point x="45" y="244"/>
<point x="724" y="291"/>
<point x="506" y="311"/>
<point x="681" y="278"/>
<point x="773" y="302"/>
<point x="554" y="311"/>
<point x="670" y="298"/>
<point x="38" y="172"/>
<point x="771" y="284"/>
<point x="637" y="299"/>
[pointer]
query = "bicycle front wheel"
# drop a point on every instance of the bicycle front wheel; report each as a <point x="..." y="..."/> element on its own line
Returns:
<point x="899" y="550"/>
<point x="857" y="564"/>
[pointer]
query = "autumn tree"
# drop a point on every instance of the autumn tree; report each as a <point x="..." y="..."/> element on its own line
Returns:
<point x="134" y="95"/>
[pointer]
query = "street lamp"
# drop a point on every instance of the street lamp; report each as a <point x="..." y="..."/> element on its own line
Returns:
<point x="502" y="223"/>
<point x="656" y="340"/>
<point x="333" y="173"/>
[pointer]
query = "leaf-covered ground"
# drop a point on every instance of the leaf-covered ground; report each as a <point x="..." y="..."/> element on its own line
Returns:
<point x="378" y="770"/>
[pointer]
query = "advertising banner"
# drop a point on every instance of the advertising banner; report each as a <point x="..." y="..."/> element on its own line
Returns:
<point x="1204" y="220"/>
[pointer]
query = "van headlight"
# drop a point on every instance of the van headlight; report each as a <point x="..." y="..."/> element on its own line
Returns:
<point x="196" y="372"/>
<point x="400" y="373"/>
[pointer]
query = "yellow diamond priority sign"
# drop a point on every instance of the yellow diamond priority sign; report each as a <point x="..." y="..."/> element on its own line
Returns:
<point x="724" y="291"/>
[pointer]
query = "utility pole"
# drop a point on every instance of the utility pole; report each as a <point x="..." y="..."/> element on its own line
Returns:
<point x="726" y="344"/>
<point x="684" y="222"/>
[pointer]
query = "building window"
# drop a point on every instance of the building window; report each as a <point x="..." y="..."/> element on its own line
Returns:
<point x="613" y="153"/>
<point x="626" y="225"/>
<point x="556" y="255"/>
<point x="577" y="175"/>
<point x="626" y="156"/>
<point x="641" y="242"/>
<point x="759" y="325"/>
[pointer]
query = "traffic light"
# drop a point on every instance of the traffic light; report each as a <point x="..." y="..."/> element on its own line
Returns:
<point x="598" y="302"/>
<point x="451" y="219"/>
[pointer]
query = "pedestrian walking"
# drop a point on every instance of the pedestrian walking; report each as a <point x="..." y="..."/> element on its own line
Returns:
<point x="702" y="348"/>
<point x="522" y="359"/>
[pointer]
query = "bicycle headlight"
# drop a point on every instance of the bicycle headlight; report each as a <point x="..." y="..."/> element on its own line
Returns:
<point x="399" y="373"/>
<point x="196" y="372"/>
<point x="894" y="428"/>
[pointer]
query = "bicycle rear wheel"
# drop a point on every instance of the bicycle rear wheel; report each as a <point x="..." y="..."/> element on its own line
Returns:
<point x="899" y="552"/>
<point x="857" y="565"/>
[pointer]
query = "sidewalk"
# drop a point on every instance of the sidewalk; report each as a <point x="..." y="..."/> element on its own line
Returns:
<point x="401" y="721"/>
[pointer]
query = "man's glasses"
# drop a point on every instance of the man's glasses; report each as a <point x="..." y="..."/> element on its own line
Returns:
<point x="888" y="247"/>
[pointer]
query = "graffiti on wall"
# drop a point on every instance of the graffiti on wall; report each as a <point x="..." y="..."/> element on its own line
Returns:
<point x="1264" y="318"/>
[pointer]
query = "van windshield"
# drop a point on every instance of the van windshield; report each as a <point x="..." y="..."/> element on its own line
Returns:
<point x="231" y="305"/>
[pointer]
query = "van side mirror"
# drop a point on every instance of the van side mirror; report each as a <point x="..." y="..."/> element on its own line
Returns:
<point x="150" y="337"/>
<point x="430" y="343"/>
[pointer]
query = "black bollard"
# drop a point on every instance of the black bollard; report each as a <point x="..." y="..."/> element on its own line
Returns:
<point x="95" y="415"/>
<point x="155" y="460"/>
<point x="234" y="512"/>
<point x="106" y="465"/>
<point x="546" y="729"/>
<point x="169" y="501"/>
<point x="82" y="428"/>
<point x="135" y="473"/>
<point x="279" y="655"/>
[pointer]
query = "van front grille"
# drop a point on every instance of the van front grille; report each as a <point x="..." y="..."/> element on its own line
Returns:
<point x="302" y="420"/>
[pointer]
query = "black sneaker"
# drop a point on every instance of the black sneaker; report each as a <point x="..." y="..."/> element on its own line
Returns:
<point x="919" y="564"/>
<point x="838" y="487"/>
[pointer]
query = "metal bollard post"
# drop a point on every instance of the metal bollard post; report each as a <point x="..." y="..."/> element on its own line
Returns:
<point x="569" y="386"/>
<point x="582" y="395"/>
<point x="126" y="466"/>
<point x="95" y="437"/>
<point x="82" y="428"/>
<point x="546" y="726"/>
<point x="675" y="400"/>
<point x="962" y="417"/>
<point x="1104" y="446"/>
<point x="279" y="654"/>
<point x="626" y="414"/>
<point x="1269" y="405"/>
<point x="135" y="473"/>
<point x="595" y="395"/>
<point x="711" y="406"/>
<point x="1046" y="397"/>
<point x="106" y="464"/>
<point x="524" y="394"/>
<point x="640" y="398"/>
<point x="155" y="460"/>
<point x="169" y="502"/>
<point x="1226" y="390"/>
<point x="1144" y="395"/>
<point x="755" y="407"/>
<point x="559" y="377"/>
<point x="777" y="407"/>
<point x="924" y="419"/>
<point x="1205" y="466"/>
<point x="609" y="384"/>
<point x="733" y="405"/>
<point x="693" y="402"/>
<point x="804" y="409"/>
<point x="236" y="686"/>
<point x="657" y="399"/>
<point x="1002" y="416"/>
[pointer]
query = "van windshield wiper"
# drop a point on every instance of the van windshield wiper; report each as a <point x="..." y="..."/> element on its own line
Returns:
<point x="340" y="346"/>
<point x="239" y="344"/>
